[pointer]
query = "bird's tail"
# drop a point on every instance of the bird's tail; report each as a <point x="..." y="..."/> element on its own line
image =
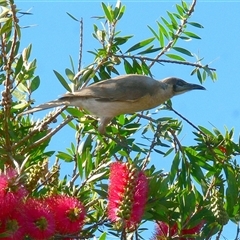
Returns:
<point x="51" y="104"/>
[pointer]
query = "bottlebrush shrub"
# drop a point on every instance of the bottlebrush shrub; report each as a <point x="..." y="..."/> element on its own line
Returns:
<point x="127" y="195"/>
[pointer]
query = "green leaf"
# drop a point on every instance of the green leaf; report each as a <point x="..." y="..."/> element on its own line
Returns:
<point x="121" y="40"/>
<point x="174" y="22"/>
<point x="103" y="236"/>
<point x="107" y="12"/>
<point x="35" y="84"/>
<point x="19" y="65"/>
<point x="72" y="63"/>
<point x="161" y="39"/>
<point x="62" y="81"/>
<point x="69" y="74"/>
<point x="145" y="68"/>
<point x="174" y="167"/>
<point x="128" y="68"/>
<point x="175" y="57"/>
<point x="122" y="10"/>
<point x="149" y="50"/>
<point x="140" y="44"/>
<point x="192" y="35"/>
<point x="75" y="112"/>
<point x="185" y="6"/>
<point x="168" y="25"/>
<point x="154" y="33"/>
<point x="183" y="50"/>
<point x="199" y="76"/>
<point x="163" y="30"/>
<point x="180" y="9"/>
<point x="196" y="24"/>
<point x="64" y="156"/>
<point x="71" y="16"/>
<point x="136" y="67"/>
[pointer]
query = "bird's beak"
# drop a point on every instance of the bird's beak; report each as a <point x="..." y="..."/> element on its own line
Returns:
<point x="186" y="87"/>
<point x="195" y="87"/>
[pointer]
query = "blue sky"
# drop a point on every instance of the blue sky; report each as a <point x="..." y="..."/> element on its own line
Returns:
<point x="55" y="36"/>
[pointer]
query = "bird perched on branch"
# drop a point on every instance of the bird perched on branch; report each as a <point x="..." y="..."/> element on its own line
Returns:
<point x="123" y="94"/>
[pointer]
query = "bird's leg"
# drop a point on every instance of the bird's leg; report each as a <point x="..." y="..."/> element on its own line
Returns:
<point x="103" y="122"/>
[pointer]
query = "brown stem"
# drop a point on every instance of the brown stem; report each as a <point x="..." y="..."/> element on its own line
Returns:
<point x="142" y="58"/>
<point x="49" y="135"/>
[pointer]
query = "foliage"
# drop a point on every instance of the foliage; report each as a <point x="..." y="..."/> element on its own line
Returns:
<point x="204" y="181"/>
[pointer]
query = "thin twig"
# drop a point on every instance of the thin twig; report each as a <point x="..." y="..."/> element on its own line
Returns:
<point x="143" y="58"/>
<point x="38" y="128"/>
<point x="153" y="143"/>
<point x="8" y="86"/>
<point x="80" y="46"/>
<point x="49" y="135"/>
<point x="176" y="140"/>
<point x="185" y="119"/>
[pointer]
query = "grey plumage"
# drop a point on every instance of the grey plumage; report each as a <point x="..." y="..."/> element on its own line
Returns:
<point x="123" y="94"/>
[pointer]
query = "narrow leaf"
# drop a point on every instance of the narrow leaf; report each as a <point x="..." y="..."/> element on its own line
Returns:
<point x="62" y="81"/>
<point x="163" y="30"/>
<point x="180" y="9"/>
<point x="192" y="35"/>
<point x="175" y="57"/>
<point x="196" y="24"/>
<point x="140" y="44"/>
<point x="154" y="33"/>
<point x="19" y="65"/>
<point x="71" y="16"/>
<point x="107" y="12"/>
<point x="35" y="84"/>
<point x="183" y="50"/>
<point x="69" y="74"/>
<point x="150" y="50"/>
<point x="128" y="67"/>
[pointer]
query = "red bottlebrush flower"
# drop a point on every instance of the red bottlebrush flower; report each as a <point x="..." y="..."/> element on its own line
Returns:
<point x="163" y="231"/>
<point x="192" y="231"/>
<point x="68" y="212"/>
<point x="39" y="220"/>
<point x="11" y="192"/>
<point x="127" y="195"/>
<point x="13" y="226"/>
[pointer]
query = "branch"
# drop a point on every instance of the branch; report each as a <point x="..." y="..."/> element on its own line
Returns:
<point x="197" y="65"/>
<point x="38" y="128"/>
<point x="80" y="45"/>
<point x="8" y="61"/>
<point x="185" y="119"/>
<point x="153" y="143"/>
<point x="50" y="134"/>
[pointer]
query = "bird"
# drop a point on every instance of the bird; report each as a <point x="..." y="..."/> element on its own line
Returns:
<point x="124" y="94"/>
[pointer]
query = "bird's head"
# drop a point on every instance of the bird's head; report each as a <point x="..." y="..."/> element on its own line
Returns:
<point x="179" y="86"/>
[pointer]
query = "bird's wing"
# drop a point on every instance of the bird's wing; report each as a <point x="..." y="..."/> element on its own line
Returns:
<point x="122" y="88"/>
